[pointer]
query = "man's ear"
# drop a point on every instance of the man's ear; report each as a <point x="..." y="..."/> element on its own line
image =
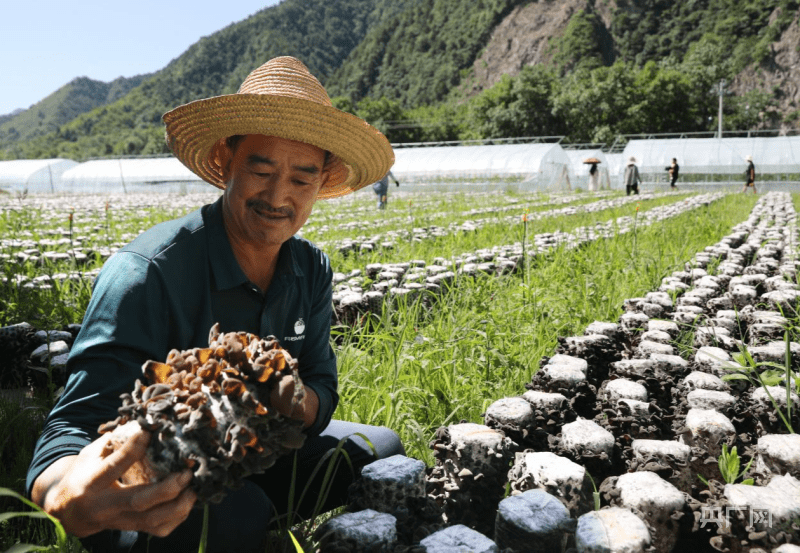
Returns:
<point x="222" y="157"/>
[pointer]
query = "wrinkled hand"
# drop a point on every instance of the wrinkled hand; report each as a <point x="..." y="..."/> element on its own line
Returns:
<point x="83" y="491"/>
<point x="284" y="399"/>
<point x="304" y="407"/>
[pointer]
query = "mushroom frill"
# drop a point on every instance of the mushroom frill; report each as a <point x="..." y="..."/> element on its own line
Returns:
<point x="209" y="411"/>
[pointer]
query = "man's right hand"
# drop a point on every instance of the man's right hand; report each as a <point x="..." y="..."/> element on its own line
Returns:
<point x="83" y="491"/>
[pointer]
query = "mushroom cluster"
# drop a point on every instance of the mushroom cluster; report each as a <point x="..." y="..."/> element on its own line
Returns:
<point x="209" y="410"/>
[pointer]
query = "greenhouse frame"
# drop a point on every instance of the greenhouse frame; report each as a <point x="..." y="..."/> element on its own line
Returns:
<point x="126" y="175"/>
<point x="534" y="165"/>
<point x="540" y="166"/>
<point x="24" y="176"/>
<point x="718" y="161"/>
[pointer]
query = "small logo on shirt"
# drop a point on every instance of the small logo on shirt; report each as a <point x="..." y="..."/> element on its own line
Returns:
<point x="299" y="328"/>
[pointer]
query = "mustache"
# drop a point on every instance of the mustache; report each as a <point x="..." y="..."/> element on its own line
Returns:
<point x="263" y="206"/>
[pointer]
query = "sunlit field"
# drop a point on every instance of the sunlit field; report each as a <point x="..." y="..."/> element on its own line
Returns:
<point x="414" y="364"/>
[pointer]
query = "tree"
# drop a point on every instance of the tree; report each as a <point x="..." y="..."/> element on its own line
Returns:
<point x="442" y="122"/>
<point x="705" y="64"/>
<point x="594" y="104"/>
<point x="664" y="100"/>
<point x="580" y="45"/>
<point x="754" y="109"/>
<point x="518" y="106"/>
<point x="387" y="116"/>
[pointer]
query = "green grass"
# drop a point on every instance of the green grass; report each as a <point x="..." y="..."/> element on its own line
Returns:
<point x="438" y="360"/>
<point x="20" y="424"/>
<point x="416" y="369"/>
<point x="502" y="232"/>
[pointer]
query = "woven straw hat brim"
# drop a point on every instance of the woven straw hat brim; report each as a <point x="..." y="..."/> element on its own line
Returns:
<point x="362" y="153"/>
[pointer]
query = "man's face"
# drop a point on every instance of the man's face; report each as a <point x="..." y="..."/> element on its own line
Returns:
<point x="272" y="184"/>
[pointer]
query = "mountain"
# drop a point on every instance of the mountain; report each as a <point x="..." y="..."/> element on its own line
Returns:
<point x="319" y="32"/>
<point x="7" y="116"/>
<point x="778" y="76"/>
<point x="753" y="44"/>
<point x="455" y="69"/>
<point x="420" y="54"/>
<point x="62" y="106"/>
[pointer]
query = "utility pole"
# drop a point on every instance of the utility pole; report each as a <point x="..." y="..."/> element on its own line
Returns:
<point x="721" y="91"/>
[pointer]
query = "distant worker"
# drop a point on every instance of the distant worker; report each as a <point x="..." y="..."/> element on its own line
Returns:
<point x="594" y="173"/>
<point x="381" y="188"/>
<point x="632" y="178"/>
<point x="673" y="173"/>
<point x="749" y="175"/>
<point x="594" y="177"/>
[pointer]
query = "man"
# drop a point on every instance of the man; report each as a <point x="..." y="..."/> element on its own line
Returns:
<point x="274" y="147"/>
<point x="749" y="175"/>
<point x="673" y="173"/>
<point x="381" y="188"/>
<point x="632" y="178"/>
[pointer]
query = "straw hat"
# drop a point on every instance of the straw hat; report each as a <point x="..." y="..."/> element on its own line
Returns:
<point x="631" y="160"/>
<point x="748" y="158"/>
<point x="280" y="98"/>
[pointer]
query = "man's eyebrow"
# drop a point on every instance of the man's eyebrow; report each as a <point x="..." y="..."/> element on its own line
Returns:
<point x="255" y="158"/>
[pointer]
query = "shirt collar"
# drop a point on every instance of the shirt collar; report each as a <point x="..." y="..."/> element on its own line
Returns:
<point x="225" y="268"/>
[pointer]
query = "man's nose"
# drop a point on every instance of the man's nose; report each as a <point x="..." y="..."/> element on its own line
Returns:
<point x="277" y="191"/>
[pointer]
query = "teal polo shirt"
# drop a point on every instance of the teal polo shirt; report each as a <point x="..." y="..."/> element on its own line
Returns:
<point x="164" y="291"/>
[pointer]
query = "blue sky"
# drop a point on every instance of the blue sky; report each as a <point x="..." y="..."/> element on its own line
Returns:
<point x="46" y="44"/>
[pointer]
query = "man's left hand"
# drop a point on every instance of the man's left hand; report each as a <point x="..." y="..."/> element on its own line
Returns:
<point x="282" y="398"/>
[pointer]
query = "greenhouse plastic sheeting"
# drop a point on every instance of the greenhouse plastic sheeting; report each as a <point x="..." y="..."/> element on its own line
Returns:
<point x="538" y="166"/>
<point x="616" y="169"/>
<point x="33" y="175"/>
<point x="780" y="154"/>
<point x="132" y="175"/>
<point x="581" y="169"/>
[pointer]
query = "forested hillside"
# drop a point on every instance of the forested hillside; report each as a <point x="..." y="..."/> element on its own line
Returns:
<point x="78" y="96"/>
<point x="419" y="55"/>
<point x="458" y="69"/>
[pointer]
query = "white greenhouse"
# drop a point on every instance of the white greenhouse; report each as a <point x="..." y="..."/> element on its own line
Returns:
<point x="33" y="175"/>
<point x="616" y="169"/>
<point x="714" y="161"/>
<point x="534" y="166"/>
<point x="127" y="175"/>
<point x="581" y="169"/>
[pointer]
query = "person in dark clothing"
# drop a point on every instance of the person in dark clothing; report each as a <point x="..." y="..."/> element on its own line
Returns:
<point x="381" y="188"/>
<point x="632" y="178"/>
<point x="673" y="173"/>
<point x="749" y="175"/>
<point x="236" y="262"/>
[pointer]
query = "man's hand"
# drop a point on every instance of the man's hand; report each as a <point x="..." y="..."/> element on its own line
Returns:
<point x="283" y="400"/>
<point x="83" y="491"/>
<point x="397" y="183"/>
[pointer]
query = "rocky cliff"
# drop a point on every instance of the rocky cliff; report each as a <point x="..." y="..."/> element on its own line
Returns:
<point x="522" y="39"/>
<point x="526" y="35"/>
<point x="779" y="74"/>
